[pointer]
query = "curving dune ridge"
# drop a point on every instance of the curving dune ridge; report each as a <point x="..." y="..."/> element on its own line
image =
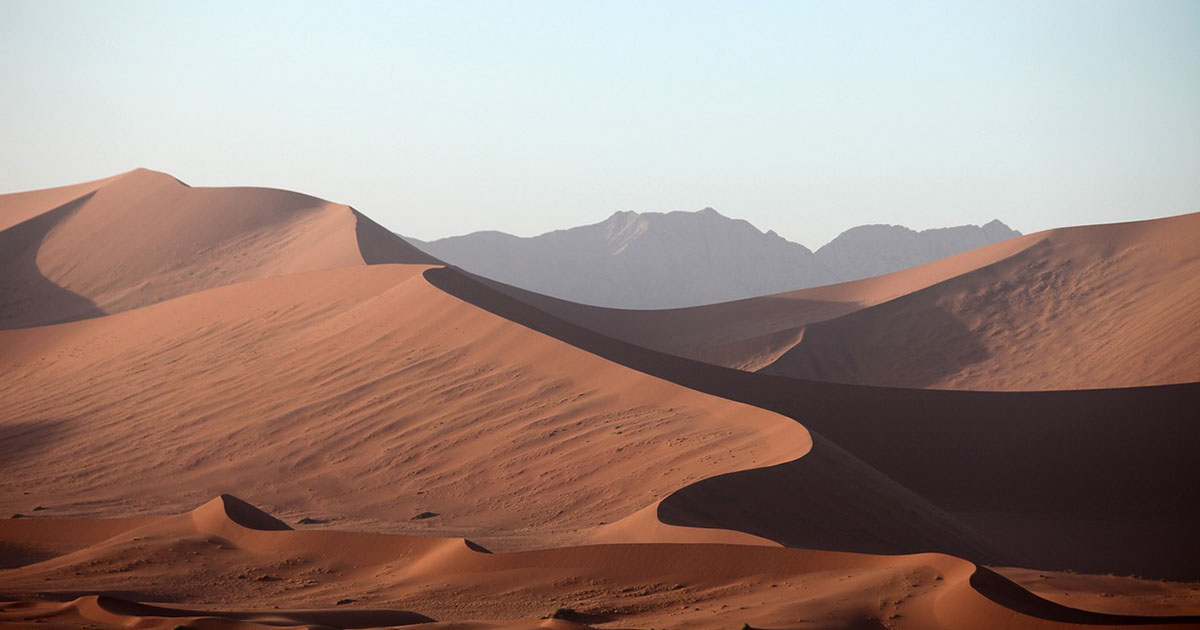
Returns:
<point x="285" y="349"/>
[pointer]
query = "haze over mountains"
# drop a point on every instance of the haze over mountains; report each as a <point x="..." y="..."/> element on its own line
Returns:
<point x="453" y="448"/>
<point x="678" y="259"/>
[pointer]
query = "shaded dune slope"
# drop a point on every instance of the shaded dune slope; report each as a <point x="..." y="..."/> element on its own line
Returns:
<point x="420" y="579"/>
<point x="142" y="237"/>
<point x="1095" y="480"/>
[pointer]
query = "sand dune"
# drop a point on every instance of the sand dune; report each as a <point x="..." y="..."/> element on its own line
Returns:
<point x="397" y="580"/>
<point x="752" y="333"/>
<point x="279" y="347"/>
<point x="1085" y="307"/>
<point x="1096" y="480"/>
<point x="380" y="397"/>
<point x="1082" y="307"/>
<point x="142" y="237"/>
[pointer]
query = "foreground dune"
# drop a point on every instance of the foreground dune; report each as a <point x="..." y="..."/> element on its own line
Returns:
<point x="368" y="395"/>
<point x="1093" y="480"/>
<point x="251" y="571"/>
<point x="378" y="396"/>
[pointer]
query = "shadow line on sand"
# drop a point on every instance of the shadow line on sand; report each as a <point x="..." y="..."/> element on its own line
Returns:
<point x="1109" y="452"/>
<point x="27" y="297"/>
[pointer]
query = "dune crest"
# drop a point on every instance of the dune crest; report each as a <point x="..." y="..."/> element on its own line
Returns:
<point x="218" y="515"/>
<point x="143" y="237"/>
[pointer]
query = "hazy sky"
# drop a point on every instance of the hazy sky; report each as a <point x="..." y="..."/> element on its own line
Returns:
<point x="439" y="118"/>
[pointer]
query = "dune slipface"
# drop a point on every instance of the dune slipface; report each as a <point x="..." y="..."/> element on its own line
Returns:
<point x="502" y="455"/>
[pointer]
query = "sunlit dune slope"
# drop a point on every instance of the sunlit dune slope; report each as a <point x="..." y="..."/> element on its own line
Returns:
<point x="368" y="395"/>
<point x="142" y="237"/>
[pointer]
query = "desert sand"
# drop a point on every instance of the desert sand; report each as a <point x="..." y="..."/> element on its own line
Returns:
<point x="417" y="445"/>
<point x="1074" y="308"/>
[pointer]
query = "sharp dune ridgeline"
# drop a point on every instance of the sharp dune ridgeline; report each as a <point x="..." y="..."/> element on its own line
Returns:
<point x="251" y="408"/>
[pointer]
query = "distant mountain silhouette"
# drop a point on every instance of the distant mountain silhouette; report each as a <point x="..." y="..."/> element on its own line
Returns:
<point x="676" y="259"/>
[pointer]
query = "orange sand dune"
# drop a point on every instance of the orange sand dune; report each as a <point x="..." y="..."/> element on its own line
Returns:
<point x="143" y="237"/>
<point x="1081" y="307"/>
<point x="249" y="576"/>
<point x="750" y="334"/>
<point x="249" y="340"/>
<point x="368" y="395"/>
<point x="1085" y="307"/>
<point x="1094" y="480"/>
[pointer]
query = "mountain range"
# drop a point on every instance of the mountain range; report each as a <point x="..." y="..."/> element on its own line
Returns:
<point x="677" y="259"/>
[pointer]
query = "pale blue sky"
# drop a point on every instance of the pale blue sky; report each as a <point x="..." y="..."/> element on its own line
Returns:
<point x="439" y="118"/>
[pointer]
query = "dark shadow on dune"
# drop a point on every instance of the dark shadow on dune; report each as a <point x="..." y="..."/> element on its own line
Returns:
<point x="863" y="348"/>
<point x="28" y="298"/>
<point x="379" y="246"/>
<point x="249" y="516"/>
<point x="1109" y="453"/>
<point x="825" y="500"/>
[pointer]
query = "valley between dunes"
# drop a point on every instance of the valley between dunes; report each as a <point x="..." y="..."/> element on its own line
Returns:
<point x="243" y="408"/>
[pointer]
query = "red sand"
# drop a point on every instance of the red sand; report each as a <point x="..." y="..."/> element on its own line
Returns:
<point x="253" y="341"/>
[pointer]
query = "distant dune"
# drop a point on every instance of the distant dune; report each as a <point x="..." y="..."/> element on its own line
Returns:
<point x="309" y="576"/>
<point x="1081" y="307"/>
<point x="1086" y="307"/>
<point x="143" y="237"/>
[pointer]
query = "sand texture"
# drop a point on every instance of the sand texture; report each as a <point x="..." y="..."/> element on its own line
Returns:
<point x="414" y="444"/>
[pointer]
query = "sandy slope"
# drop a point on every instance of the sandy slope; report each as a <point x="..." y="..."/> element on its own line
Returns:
<point x="1084" y="307"/>
<point x="1081" y="307"/>
<point x="143" y="237"/>
<point x="272" y="362"/>
<point x="361" y="393"/>
<point x="1094" y="480"/>
<point x="250" y="571"/>
<point x="368" y="395"/>
<point x="752" y="333"/>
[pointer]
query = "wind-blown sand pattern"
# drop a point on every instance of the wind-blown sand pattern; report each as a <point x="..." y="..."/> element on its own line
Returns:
<point x="427" y="447"/>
